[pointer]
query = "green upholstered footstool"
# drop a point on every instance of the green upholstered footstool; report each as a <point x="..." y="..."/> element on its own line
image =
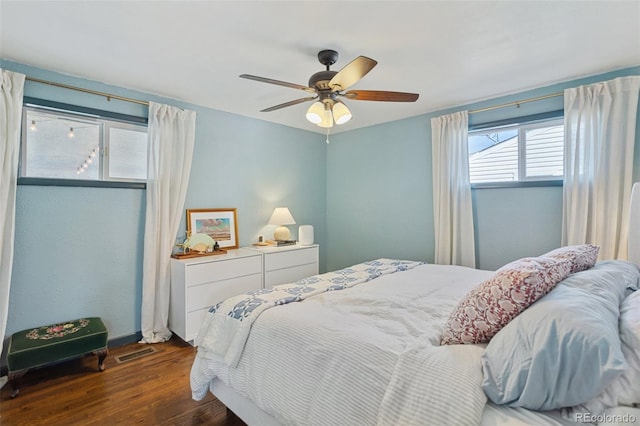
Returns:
<point x="53" y="343"/>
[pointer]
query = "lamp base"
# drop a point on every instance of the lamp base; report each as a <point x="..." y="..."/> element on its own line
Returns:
<point x="281" y="233"/>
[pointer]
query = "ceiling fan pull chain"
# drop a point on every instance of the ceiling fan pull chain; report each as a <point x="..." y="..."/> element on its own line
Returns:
<point x="328" y="128"/>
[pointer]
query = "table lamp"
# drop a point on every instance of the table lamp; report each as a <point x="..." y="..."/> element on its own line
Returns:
<point x="281" y="216"/>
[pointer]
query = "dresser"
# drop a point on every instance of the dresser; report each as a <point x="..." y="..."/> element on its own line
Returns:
<point x="201" y="282"/>
<point x="289" y="263"/>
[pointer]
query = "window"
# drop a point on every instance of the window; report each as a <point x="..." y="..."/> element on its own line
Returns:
<point x="71" y="146"/>
<point x="517" y="153"/>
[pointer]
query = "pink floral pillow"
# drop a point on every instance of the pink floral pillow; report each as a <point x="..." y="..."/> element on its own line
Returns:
<point x="582" y="257"/>
<point x="486" y="309"/>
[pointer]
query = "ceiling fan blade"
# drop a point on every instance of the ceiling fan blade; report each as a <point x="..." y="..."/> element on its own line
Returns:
<point x="278" y="82"/>
<point x="290" y="103"/>
<point x="351" y="73"/>
<point x="380" y="95"/>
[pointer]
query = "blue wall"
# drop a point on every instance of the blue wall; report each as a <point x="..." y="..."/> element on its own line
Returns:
<point x="379" y="191"/>
<point x="379" y="201"/>
<point x="78" y="251"/>
<point x="368" y="194"/>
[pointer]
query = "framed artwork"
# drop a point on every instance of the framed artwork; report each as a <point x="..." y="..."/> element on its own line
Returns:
<point x="219" y="224"/>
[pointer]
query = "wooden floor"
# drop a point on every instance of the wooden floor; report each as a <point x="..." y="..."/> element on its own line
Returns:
<point x="150" y="390"/>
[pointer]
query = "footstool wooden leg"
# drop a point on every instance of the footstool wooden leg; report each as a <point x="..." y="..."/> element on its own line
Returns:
<point x="102" y="354"/>
<point x="14" y="381"/>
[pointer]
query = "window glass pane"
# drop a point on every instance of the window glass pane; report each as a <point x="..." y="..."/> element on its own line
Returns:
<point x="532" y="151"/>
<point x="61" y="144"/>
<point x="127" y="153"/>
<point x="60" y="147"/>
<point x="544" y="152"/>
<point x="493" y="156"/>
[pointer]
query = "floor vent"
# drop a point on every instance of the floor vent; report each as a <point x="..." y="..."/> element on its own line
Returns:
<point x="135" y="354"/>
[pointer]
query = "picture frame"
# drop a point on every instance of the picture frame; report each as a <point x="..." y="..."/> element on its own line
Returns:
<point x="219" y="224"/>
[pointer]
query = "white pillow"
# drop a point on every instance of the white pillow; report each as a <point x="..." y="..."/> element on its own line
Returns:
<point x="625" y="389"/>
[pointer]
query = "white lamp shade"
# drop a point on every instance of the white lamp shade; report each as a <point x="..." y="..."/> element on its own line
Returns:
<point x="281" y="216"/>
<point x="315" y="112"/>
<point x="341" y="113"/>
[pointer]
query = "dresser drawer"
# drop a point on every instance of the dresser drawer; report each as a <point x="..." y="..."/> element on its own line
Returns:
<point x="206" y="295"/>
<point x="221" y="270"/>
<point x="193" y="322"/>
<point x="287" y="259"/>
<point x="289" y="275"/>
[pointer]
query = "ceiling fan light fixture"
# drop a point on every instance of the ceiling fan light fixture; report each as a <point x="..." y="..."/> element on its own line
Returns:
<point x="341" y="113"/>
<point x="315" y="113"/>
<point x="328" y="84"/>
<point x="327" y="117"/>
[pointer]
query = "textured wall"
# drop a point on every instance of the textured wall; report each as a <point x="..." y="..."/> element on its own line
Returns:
<point x="78" y="251"/>
<point x="380" y="196"/>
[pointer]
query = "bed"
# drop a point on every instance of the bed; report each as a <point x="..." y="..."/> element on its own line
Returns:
<point x="366" y="345"/>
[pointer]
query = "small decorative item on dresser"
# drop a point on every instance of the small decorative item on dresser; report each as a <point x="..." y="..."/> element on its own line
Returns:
<point x="197" y="245"/>
<point x="219" y="224"/>
<point x="305" y="235"/>
<point x="261" y="242"/>
<point x="280" y="243"/>
<point x="201" y="243"/>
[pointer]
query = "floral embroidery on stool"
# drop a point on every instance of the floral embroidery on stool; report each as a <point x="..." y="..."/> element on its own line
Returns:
<point x="57" y="330"/>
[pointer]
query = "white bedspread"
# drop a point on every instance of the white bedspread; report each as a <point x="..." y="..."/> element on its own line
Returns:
<point x="366" y="355"/>
<point x="226" y="326"/>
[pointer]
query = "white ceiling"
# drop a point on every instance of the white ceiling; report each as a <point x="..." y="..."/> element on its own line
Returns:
<point x="450" y="52"/>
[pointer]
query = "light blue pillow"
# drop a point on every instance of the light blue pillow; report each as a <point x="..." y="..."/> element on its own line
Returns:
<point x="565" y="348"/>
<point x="629" y="270"/>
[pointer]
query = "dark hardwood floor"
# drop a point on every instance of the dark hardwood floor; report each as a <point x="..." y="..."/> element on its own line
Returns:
<point x="150" y="390"/>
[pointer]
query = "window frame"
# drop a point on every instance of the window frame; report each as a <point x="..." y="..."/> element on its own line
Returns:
<point x="524" y="123"/>
<point x="75" y="111"/>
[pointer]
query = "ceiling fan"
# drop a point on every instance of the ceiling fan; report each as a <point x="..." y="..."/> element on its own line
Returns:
<point x="328" y="85"/>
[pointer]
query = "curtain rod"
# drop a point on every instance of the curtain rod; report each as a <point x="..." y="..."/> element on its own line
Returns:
<point x="109" y="96"/>
<point x="146" y="103"/>
<point x="517" y="103"/>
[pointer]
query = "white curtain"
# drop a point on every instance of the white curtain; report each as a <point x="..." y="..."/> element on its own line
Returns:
<point x="600" y="124"/>
<point x="11" y="91"/>
<point x="452" y="208"/>
<point x="171" y="141"/>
